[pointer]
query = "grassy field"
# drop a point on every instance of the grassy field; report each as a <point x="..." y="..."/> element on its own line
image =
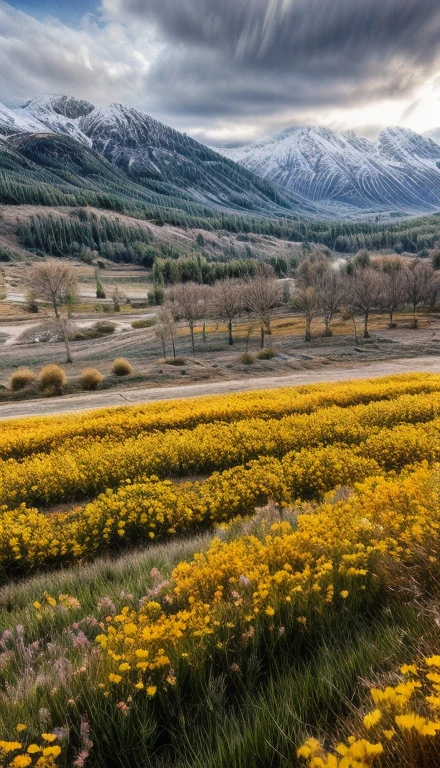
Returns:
<point x="232" y="581"/>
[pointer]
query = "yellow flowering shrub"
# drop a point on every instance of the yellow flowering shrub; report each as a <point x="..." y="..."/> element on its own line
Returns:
<point x="153" y="508"/>
<point x="28" y="436"/>
<point x="332" y="557"/>
<point x="85" y="467"/>
<point x="402" y="729"/>
<point x="156" y="508"/>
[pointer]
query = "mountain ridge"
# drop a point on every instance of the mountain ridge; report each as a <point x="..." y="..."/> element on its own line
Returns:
<point x="401" y="170"/>
<point x="151" y="154"/>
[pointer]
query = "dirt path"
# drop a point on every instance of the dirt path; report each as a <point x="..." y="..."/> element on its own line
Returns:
<point x="91" y="401"/>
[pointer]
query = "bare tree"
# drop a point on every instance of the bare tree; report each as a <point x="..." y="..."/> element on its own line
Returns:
<point x="261" y="297"/>
<point x="419" y="281"/>
<point x="248" y="333"/>
<point x="364" y="293"/>
<point x="54" y="281"/>
<point x="392" y="271"/>
<point x="227" y="302"/>
<point x="204" y="305"/>
<point x="331" y="287"/>
<point x="307" y="301"/>
<point x="165" y="327"/>
<point x="2" y="285"/>
<point x="116" y="297"/>
<point x="188" y="302"/>
<point x="311" y="269"/>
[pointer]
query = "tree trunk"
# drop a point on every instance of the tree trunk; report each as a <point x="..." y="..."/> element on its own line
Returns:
<point x="66" y="340"/>
<point x="262" y="337"/>
<point x="414" y="323"/>
<point x="366" y="334"/>
<point x="163" y="348"/>
<point x="308" y="334"/>
<point x="55" y="309"/>
<point x="327" y="330"/>
<point x="353" y="320"/>
<point x="204" y="331"/>
<point x="191" y="328"/>
<point x="230" y="340"/>
<point x="173" y="344"/>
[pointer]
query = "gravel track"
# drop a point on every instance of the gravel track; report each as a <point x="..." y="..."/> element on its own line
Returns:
<point x="93" y="400"/>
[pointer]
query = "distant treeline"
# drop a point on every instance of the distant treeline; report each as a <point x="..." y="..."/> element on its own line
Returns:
<point x="86" y="232"/>
<point x="409" y="235"/>
<point x="198" y="269"/>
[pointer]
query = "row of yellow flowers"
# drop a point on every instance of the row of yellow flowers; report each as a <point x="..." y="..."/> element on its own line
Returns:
<point x="279" y="580"/>
<point x="24" y="437"/>
<point x="155" y="508"/>
<point x="86" y="466"/>
<point x="402" y="729"/>
<point x="276" y="582"/>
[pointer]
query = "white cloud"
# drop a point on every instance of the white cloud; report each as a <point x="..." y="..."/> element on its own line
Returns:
<point x="235" y="70"/>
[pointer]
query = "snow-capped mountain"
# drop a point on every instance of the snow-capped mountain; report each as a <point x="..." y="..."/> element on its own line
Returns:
<point x="312" y="170"/>
<point x="152" y="154"/>
<point x="59" y="114"/>
<point x="12" y="122"/>
<point x="398" y="172"/>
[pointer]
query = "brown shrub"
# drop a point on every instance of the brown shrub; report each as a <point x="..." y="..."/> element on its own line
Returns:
<point x="266" y="354"/>
<point x="22" y="378"/>
<point x="176" y="361"/>
<point x="90" y="378"/>
<point x="247" y="359"/>
<point x="52" y="379"/>
<point x="122" y="367"/>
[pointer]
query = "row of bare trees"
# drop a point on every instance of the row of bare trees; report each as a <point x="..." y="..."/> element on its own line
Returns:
<point x="320" y="289"/>
<point x="385" y="284"/>
<point x="224" y="302"/>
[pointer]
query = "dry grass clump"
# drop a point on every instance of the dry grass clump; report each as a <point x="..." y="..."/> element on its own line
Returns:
<point x="267" y="354"/>
<point x="22" y="378"/>
<point x="91" y="378"/>
<point x="176" y="361"/>
<point x="147" y="323"/>
<point x="105" y="327"/>
<point x="247" y="359"/>
<point x="52" y="379"/>
<point x="122" y="367"/>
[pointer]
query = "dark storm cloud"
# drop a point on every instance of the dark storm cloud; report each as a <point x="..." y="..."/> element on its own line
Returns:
<point x="232" y="58"/>
<point x="272" y="33"/>
<point x="225" y="70"/>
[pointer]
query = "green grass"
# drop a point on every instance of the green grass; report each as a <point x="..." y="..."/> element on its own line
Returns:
<point x="106" y="576"/>
<point x="287" y="686"/>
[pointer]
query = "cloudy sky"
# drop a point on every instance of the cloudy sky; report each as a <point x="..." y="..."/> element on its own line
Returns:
<point x="232" y="71"/>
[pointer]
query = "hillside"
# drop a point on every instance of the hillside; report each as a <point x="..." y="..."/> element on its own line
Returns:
<point x="142" y="159"/>
<point x="400" y="172"/>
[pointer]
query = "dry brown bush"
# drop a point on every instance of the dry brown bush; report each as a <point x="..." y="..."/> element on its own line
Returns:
<point x="90" y="378"/>
<point x="52" y="379"/>
<point x="22" y="378"/>
<point x="122" y="367"/>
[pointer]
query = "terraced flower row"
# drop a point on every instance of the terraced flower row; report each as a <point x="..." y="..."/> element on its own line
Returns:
<point x="24" y="437"/>
<point x="153" y="508"/>
<point x="333" y="560"/>
<point x="85" y="467"/>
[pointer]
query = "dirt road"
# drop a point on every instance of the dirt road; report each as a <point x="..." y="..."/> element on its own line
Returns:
<point x="107" y="399"/>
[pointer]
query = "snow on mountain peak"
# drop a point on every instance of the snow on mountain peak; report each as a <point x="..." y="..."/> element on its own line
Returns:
<point x="401" y="170"/>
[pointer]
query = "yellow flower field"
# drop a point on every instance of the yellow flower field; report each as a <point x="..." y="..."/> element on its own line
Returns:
<point x="293" y="547"/>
